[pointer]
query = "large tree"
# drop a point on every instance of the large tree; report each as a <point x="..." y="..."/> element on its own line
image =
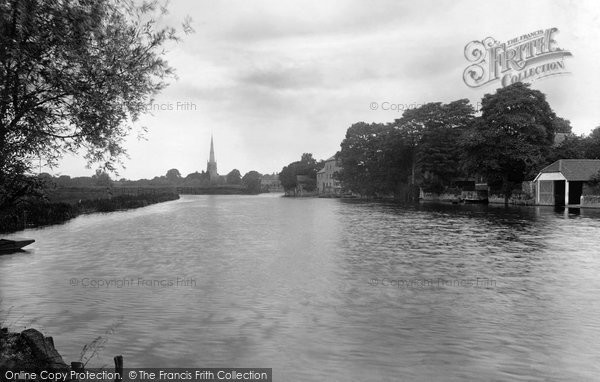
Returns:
<point x="374" y="159"/>
<point x="173" y="176"/>
<point x="512" y="137"/>
<point x="412" y="126"/>
<point x="433" y="133"/>
<point x="251" y="180"/>
<point x="74" y="75"/>
<point x="234" y="177"/>
<point x="287" y="177"/>
<point x="307" y="166"/>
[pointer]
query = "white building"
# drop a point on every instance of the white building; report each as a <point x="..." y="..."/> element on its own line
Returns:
<point x="326" y="184"/>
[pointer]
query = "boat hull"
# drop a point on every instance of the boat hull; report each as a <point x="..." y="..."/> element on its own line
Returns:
<point x="9" y="246"/>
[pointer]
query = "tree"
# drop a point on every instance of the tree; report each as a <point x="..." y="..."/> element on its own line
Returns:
<point x="307" y="166"/>
<point x="82" y="181"/>
<point x="74" y="75"/>
<point x="573" y="147"/>
<point x="173" y="176"/>
<point x="592" y="144"/>
<point x="412" y="126"/>
<point x="434" y="133"/>
<point x="234" y="177"/>
<point x="63" y="181"/>
<point x="562" y="125"/>
<point x="358" y="156"/>
<point x="511" y="138"/>
<point x="196" y="179"/>
<point x="594" y="184"/>
<point x="159" y="181"/>
<point x="287" y="177"/>
<point x="374" y="159"/>
<point x="101" y="178"/>
<point x="251" y="181"/>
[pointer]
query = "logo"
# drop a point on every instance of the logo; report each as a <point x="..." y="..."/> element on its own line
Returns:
<point x="526" y="58"/>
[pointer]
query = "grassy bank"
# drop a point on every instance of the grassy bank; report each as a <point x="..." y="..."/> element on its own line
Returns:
<point x="216" y="190"/>
<point x="41" y="213"/>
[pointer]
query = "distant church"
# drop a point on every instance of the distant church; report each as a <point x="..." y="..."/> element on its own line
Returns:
<point x="211" y="165"/>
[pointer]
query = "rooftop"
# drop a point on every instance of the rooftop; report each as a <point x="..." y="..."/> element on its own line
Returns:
<point x="575" y="169"/>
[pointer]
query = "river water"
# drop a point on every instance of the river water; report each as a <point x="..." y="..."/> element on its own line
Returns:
<point x="319" y="289"/>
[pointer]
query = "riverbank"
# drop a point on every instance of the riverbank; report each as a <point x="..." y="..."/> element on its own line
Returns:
<point x="217" y="190"/>
<point x="517" y="198"/>
<point x="588" y="202"/>
<point x="42" y="213"/>
<point x="29" y="350"/>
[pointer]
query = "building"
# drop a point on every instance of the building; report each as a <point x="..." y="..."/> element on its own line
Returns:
<point x="211" y="165"/>
<point x="270" y="183"/>
<point x="326" y="183"/>
<point x="563" y="182"/>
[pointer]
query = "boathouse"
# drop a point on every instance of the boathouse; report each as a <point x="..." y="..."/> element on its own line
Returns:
<point x="562" y="182"/>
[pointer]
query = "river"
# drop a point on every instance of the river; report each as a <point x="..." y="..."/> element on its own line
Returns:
<point x="319" y="289"/>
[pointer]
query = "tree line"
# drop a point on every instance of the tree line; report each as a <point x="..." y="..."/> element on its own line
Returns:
<point x="436" y="144"/>
<point x="250" y="181"/>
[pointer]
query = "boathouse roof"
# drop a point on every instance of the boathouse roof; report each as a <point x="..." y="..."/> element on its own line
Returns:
<point x="574" y="169"/>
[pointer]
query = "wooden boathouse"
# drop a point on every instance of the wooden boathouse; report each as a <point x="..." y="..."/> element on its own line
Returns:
<point x="562" y="183"/>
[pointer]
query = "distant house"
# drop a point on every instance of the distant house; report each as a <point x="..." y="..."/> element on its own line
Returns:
<point x="270" y="183"/>
<point x="326" y="184"/>
<point x="562" y="182"/>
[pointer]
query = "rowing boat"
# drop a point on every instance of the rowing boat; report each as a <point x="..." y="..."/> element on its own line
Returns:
<point x="8" y="246"/>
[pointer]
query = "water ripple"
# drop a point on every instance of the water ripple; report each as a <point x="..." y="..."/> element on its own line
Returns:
<point x="321" y="289"/>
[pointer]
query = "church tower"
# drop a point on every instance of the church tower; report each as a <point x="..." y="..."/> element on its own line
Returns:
<point x="211" y="166"/>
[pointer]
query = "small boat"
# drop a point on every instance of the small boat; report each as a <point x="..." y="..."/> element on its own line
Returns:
<point x="9" y="246"/>
<point x="478" y="197"/>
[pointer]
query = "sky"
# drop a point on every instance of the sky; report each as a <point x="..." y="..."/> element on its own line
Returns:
<point x="271" y="80"/>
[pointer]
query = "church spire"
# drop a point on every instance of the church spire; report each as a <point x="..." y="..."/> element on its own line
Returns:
<point x="212" y="151"/>
<point x="211" y="166"/>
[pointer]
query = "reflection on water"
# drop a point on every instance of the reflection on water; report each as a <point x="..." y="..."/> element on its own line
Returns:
<point x="320" y="289"/>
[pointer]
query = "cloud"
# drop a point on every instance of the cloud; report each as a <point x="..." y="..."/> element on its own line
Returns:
<point x="274" y="79"/>
<point x="283" y="77"/>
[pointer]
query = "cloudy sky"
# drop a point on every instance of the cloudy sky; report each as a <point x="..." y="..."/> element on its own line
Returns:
<point x="273" y="79"/>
